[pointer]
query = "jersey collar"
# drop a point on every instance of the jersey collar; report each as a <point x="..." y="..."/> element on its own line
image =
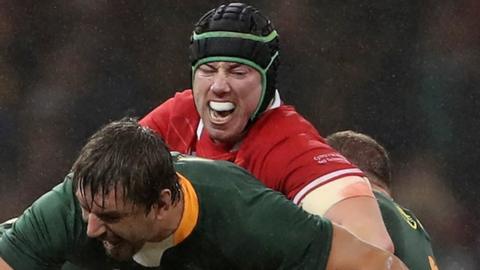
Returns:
<point x="150" y="255"/>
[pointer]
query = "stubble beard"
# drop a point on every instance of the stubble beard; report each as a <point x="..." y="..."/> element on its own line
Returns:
<point x="121" y="251"/>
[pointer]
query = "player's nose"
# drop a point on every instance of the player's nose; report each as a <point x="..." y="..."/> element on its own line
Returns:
<point x="95" y="226"/>
<point x="220" y="85"/>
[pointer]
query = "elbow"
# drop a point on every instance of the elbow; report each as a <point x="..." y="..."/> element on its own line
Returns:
<point x="386" y="244"/>
<point x="391" y="247"/>
<point x="381" y="239"/>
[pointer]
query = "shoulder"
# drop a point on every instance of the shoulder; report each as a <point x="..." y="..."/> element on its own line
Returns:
<point x="185" y="95"/>
<point x="205" y="173"/>
<point x="175" y="120"/>
<point x="61" y="197"/>
<point x="206" y="167"/>
<point x="287" y="116"/>
<point x="182" y="106"/>
<point x="180" y="99"/>
<point x="58" y="206"/>
<point x="392" y="210"/>
<point x="282" y="123"/>
<point x="52" y="223"/>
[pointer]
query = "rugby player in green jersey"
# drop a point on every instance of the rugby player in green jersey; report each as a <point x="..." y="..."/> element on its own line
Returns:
<point x="128" y="198"/>
<point x="412" y="242"/>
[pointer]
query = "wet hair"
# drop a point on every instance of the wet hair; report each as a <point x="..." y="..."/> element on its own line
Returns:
<point x="125" y="155"/>
<point x="238" y="32"/>
<point x="366" y="153"/>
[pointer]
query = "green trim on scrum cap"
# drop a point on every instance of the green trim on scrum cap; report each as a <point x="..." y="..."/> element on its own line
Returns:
<point x="227" y="34"/>
<point x="263" y="72"/>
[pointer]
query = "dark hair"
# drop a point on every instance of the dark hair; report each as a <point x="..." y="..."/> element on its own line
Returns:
<point x="365" y="152"/>
<point x="125" y="155"/>
<point x="237" y="32"/>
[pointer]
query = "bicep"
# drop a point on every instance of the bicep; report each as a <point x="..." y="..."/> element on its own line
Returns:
<point x="349" y="201"/>
<point x="349" y="252"/>
<point x="362" y="217"/>
<point x="320" y="199"/>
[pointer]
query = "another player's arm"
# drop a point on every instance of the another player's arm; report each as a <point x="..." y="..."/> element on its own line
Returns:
<point x="349" y="202"/>
<point x="349" y="252"/>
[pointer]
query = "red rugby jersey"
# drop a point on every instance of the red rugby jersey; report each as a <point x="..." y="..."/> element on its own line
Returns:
<point x="282" y="149"/>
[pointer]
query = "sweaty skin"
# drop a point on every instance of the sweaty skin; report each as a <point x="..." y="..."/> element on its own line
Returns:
<point x="222" y="86"/>
<point x="350" y="253"/>
<point x="349" y="202"/>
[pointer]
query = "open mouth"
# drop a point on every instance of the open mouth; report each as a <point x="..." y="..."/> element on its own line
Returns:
<point x="220" y="111"/>
<point x="110" y="245"/>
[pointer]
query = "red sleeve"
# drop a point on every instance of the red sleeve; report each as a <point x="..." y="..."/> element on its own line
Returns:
<point x="302" y="163"/>
<point x="287" y="154"/>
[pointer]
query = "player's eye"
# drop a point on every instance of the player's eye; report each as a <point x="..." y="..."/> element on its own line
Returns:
<point x="110" y="218"/>
<point x="239" y="72"/>
<point x="206" y="69"/>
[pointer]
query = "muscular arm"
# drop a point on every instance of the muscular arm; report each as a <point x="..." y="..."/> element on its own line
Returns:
<point x="348" y="252"/>
<point x="349" y="202"/>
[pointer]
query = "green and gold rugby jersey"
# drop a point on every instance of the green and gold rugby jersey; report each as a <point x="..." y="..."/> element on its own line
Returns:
<point x="50" y="232"/>
<point x="412" y="242"/>
<point x="234" y="223"/>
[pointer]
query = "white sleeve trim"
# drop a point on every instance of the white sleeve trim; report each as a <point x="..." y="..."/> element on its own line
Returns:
<point x="321" y="180"/>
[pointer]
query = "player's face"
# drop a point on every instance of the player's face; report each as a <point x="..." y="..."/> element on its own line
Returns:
<point x="226" y="95"/>
<point x="121" y="226"/>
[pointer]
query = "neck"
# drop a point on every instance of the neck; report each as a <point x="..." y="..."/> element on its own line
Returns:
<point x="380" y="189"/>
<point x="230" y="145"/>
<point x="378" y="185"/>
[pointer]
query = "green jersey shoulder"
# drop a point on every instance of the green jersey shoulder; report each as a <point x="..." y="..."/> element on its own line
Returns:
<point x="411" y="240"/>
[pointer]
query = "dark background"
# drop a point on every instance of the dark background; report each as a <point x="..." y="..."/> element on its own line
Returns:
<point x="405" y="72"/>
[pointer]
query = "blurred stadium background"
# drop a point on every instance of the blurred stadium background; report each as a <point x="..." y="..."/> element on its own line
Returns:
<point x="405" y="72"/>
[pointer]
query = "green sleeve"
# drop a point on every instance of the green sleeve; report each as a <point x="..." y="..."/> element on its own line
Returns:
<point x="44" y="234"/>
<point x="6" y="225"/>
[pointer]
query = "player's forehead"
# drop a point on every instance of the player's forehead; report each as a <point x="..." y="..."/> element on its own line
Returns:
<point x="112" y="199"/>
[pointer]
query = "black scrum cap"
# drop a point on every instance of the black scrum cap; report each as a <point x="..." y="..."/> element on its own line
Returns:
<point x="237" y="32"/>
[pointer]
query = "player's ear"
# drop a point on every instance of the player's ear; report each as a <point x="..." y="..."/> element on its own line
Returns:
<point x="165" y="204"/>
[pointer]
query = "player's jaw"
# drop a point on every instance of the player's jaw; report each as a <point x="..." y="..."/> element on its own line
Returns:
<point x="224" y="120"/>
<point x="220" y="112"/>
<point x="118" y="248"/>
